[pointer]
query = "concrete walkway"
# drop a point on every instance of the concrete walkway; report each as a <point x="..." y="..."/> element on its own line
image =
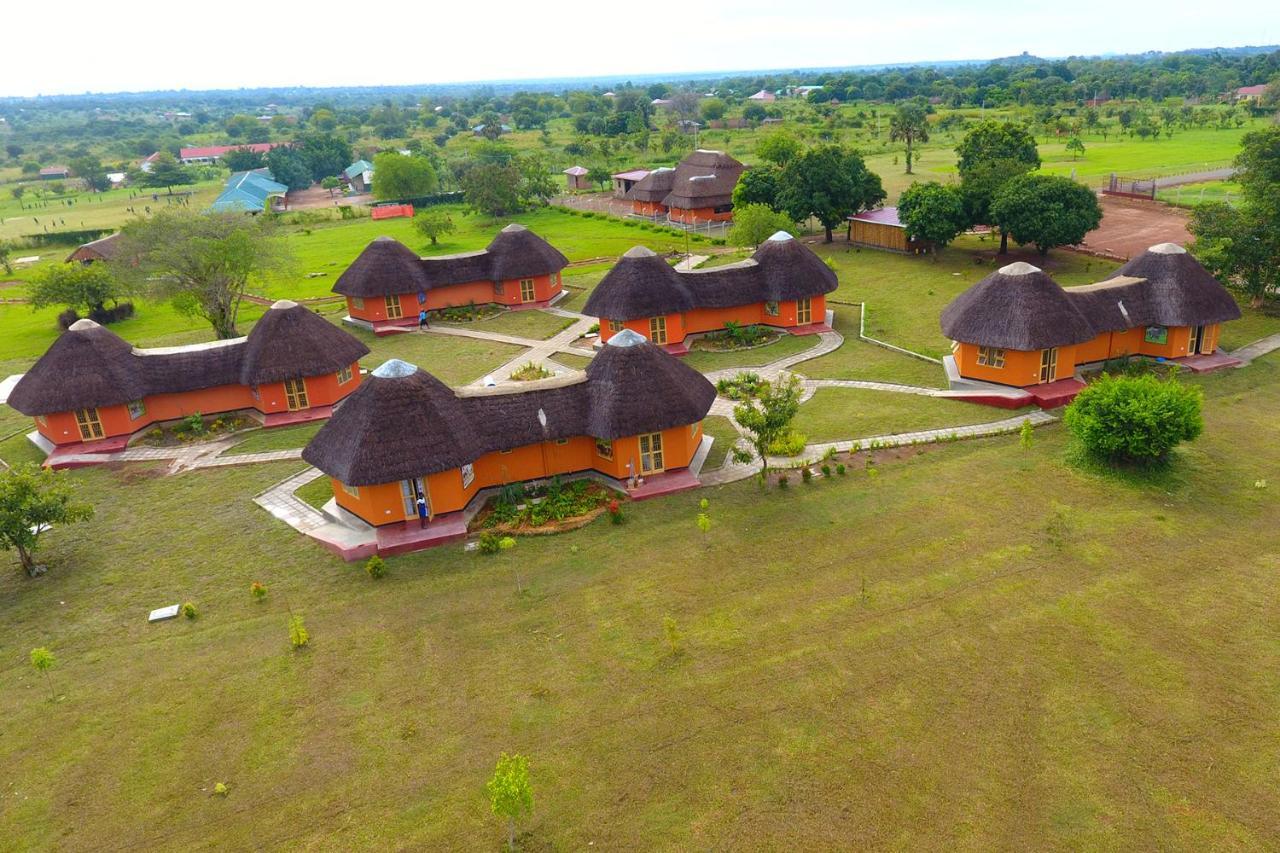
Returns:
<point x="1257" y="349"/>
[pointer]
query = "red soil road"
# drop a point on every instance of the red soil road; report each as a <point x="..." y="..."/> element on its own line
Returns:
<point x="1131" y="226"/>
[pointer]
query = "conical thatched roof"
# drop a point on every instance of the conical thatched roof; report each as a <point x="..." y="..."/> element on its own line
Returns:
<point x="643" y="285"/>
<point x="1016" y="307"/>
<point x="290" y="341"/>
<point x="387" y="266"/>
<point x="87" y="366"/>
<point x="1180" y="291"/>
<point x="403" y="423"/>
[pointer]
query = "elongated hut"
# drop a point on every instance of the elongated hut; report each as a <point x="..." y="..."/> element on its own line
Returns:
<point x="1018" y="327"/>
<point x="784" y="285"/>
<point x="92" y="386"/>
<point x="404" y="434"/>
<point x="698" y="189"/>
<point x="388" y="284"/>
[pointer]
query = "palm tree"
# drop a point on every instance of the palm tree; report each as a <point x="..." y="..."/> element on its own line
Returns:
<point x="910" y="125"/>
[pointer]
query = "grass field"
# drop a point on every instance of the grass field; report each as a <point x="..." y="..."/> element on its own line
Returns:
<point x="1078" y="659"/>
<point x="784" y="346"/>
<point x="722" y="430"/>
<point x="277" y="438"/>
<point x="573" y="362"/>
<point x="856" y="359"/>
<point x="1193" y="195"/>
<point x="534" y="325"/>
<point x="834" y="414"/>
<point x="109" y="209"/>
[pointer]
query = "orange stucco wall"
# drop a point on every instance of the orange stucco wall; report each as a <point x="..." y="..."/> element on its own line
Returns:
<point x="702" y="320"/>
<point x="699" y="214"/>
<point x="1022" y="368"/>
<point x="545" y="287"/>
<point x="61" y="428"/>
<point x="384" y="504"/>
<point x="648" y="208"/>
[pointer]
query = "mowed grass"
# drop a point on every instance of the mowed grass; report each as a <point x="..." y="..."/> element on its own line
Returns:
<point x="722" y="430"/>
<point x="451" y="359"/>
<point x="109" y="209"/>
<point x="1044" y="667"/>
<point x="1206" y="192"/>
<point x="573" y="362"/>
<point x="276" y="438"/>
<point x="836" y="414"/>
<point x="857" y="359"/>
<point x="784" y="346"/>
<point x="532" y="324"/>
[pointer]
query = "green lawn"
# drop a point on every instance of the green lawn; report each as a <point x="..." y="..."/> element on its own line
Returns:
<point x="317" y="493"/>
<point x="533" y="324"/>
<point x="573" y="362"/>
<point x="981" y="647"/>
<point x="784" y="346"/>
<point x="722" y="430"/>
<point x="838" y="414"/>
<point x="276" y="438"/>
<point x="1254" y="323"/>
<point x="110" y="209"/>
<point x="857" y="359"/>
<point x="452" y="360"/>
<point x="17" y="449"/>
<point x="1192" y="195"/>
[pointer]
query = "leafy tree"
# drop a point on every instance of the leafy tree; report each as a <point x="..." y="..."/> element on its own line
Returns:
<point x="241" y="126"/>
<point x="89" y="169"/>
<point x="599" y="175"/>
<point x="14" y="150"/>
<point x="1046" y="210"/>
<point x="32" y="500"/>
<point x="433" y="223"/>
<point x="30" y="167"/>
<point x="330" y="183"/>
<point x="909" y="125"/>
<point x="492" y="189"/>
<point x="323" y="120"/>
<point x="991" y="154"/>
<point x="166" y="171"/>
<point x="829" y="183"/>
<point x="755" y="223"/>
<point x="87" y="286"/>
<point x="289" y="167"/>
<point x="5" y="262"/>
<point x="537" y="182"/>
<point x="397" y="176"/>
<point x="1076" y="146"/>
<point x="933" y="212"/>
<point x="18" y="192"/>
<point x="510" y="794"/>
<point x="43" y="661"/>
<point x="779" y="148"/>
<point x="767" y="416"/>
<point x="325" y="155"/>
<point x="242" y="160"/>
<point x="1258" y="164"/>
<point x="202" y="262"/>
<point x="757" y="185"/>
<point x="1135" y="418"/>
<point x="754" y="113"/>
<point x="712" y="109"/>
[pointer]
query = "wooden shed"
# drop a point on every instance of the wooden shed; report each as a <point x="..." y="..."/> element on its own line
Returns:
<point x="881" y="229"/>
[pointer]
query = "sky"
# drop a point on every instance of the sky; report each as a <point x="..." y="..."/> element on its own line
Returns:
<point x="130" y="45"/>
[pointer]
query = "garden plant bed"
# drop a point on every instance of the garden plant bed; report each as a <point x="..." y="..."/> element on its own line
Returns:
<point x="857" y="464"/>
<point x="553" y="508"/>
<point x="724" y="342"/>
<point x="463" y="314"/>
<point x="183" y="431"/>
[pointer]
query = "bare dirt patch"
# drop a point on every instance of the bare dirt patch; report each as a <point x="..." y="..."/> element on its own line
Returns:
<point x="1131" y="226"/>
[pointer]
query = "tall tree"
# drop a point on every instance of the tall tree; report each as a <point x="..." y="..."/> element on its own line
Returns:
<point x="933" y="212"/>
<point x="396" y="176"/>
<point x="755" y="223"/>
<point x="909" y="125"/>
<point x="757" y="185"/>
<point x="202" y="262"/>
<point x="510" y="794"/>
<point x="32" y="500"/>
<point x="87" y="286"/>
<point x="779" y="148"/>
<point x="492" y="189"/>
<point x="433" y="223"/>
<point x="289" y="167"/>
<point x="326" y="155"/>
<point x="166" y="171"/>
<point x="828" y="183"/>
<point x="242" y="160"/>
<point x="89" y="169"/>
<point x="1046" y="210"/>
<point x="991" y="154"/>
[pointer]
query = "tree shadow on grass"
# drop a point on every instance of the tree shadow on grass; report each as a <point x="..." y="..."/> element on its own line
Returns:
<point x="1170" y="473"/>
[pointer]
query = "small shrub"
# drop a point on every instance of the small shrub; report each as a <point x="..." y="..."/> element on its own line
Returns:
<point x="490" y="542"/>
<point x="1135" y="418"/>
<point x="221" y="789"/>
<point x="67" y="319"/>
<point x="530" y="372"/>
<point x="615" y="511"/>
<point x="671" y="633"/>
<point x="298" y="636"/>
<point x="189" y="610"/>
<point x="258" y="591"/>
<point x="840" y="469"/>
<point x="791" y="444"/>
<point x="375" y="567"/>
<point x="1026" y="435"/>
<point x="826" y="472"/>
<point x="192" y="424"/>
<point x="740" y="456"/>
<point x="782" y="481"/>
<point x="806" y="475"/>
<point x="506" y="543"/>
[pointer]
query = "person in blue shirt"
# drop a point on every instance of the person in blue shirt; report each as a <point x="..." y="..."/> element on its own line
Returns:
<point x="422" y="319"/>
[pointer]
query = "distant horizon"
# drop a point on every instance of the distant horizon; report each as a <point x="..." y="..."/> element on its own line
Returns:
<point x="573" y="40"/>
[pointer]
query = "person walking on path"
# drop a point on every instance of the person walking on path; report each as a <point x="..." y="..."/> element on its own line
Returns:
<point x="422" y="319"/>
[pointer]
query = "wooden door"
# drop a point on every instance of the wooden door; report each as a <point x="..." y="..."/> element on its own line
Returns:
<point x="1048" y="364"/>
<point x="410" y="490"/>
<point x="804" y="311"/>
<point x="658" y="330"/>
<point x="651" y="453"/>
<point x="527" y="293"/>
<point x="394" y="312"/>
<point x="90" y="424"/>
<point x="1197" y="340"/>
<point x="295" y="394"/>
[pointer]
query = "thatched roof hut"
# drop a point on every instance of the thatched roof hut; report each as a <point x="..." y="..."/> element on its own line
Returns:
<point x="89" y="366"/>
<point x="643" y="285"/>
<point x="702" y="179"/>
<point x="1180" y="291"/>
<point x="1016" y="307"/>
<point x="653" y="187"/>
<point x="402" y="422"/>
<point x="387" y="267"/>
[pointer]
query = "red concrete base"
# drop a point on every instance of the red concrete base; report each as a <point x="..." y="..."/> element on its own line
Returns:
<point x="533" y="306"/>
<point x="302" y="416"/>
<point x="1051" y="395"/>
<point x="1001" y="401"/>
<point x="60" y="456"/>
<point x="676" y="349"/>
<point x="394" y="327"/>
<point x="811" y="329"/>
<point x="348" y="553"/>
<point x="410" y="536"/>
<point x="666" y="483"/>
<point x="1207" y="363"/>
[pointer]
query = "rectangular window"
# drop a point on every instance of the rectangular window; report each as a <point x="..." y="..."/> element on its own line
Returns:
<point x="991" y="356"/>
<point x="804" y="311"/>
<point x="651" y="453"/>
<point x="771" y="308"/>
<point x="137" y="409"/>
<point x="295" y="394"/>
<point x="42" y="420"/>
<point x="615" y="325"/>
<point x="354" y="491"/>
<point x="357" y="302"/>
<point x="1049" y="364"/>
<point x="504" y="452"/>
<point x="562" y="441"/>
<point x="499" y="288"/>
<point x="90" y="424"/>
<point x="393" y="307"/>
<point x="344" y="375"/>
<point x="526" y="290"/>
<point x="658" y="330"/>
<point x="604" y="448"/>
<point x="468" y="474"/>
<point x="554" y="279"/>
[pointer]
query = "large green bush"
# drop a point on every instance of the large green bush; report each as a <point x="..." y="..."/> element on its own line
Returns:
<point x="1135" y="418"/>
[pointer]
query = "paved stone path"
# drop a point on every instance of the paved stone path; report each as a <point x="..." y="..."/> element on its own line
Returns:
<point x="1257" y="349"/>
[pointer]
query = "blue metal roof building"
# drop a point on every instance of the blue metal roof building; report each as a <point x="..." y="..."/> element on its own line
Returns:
<point x="247" y="192"/>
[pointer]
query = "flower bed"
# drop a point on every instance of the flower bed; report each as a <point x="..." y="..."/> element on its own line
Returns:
<point x="552" y="508"/>
<point x="194" y="428"/>
<point x="735" y="338"/>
